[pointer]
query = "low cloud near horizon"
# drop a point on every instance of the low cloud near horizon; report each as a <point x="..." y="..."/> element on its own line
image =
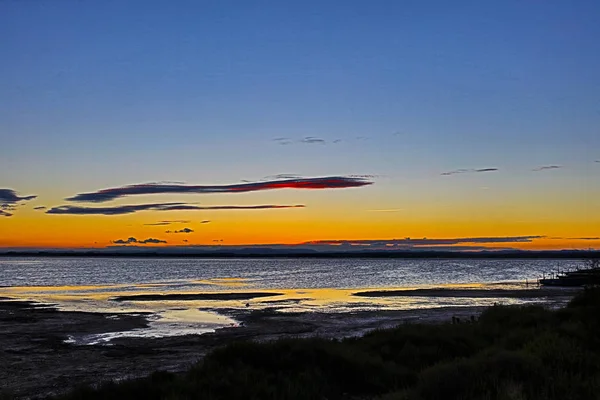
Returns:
<point x="409" y="242"/>
<point x="329" y="182"/>
<point x="5" y="213"/>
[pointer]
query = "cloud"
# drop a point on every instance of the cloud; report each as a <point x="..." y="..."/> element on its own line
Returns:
<point x="330" y="182"/>
<point x="472" y="170"/>
<point x="184" y="230"/>
<point x="312" y="140"/>
<point x="205" y="221"/>
<point x="40" y="208"/>
<point x="409" y="242"/>
<point x="546" y="167"/>
<point x="337" y="141"/>
<point x="169" y="222"/>
<point x="282" y="141"/>
<point x="152" y="240"/>
<point x="5" y="213"/>
<point x="10" y="196"/>
<point x="486" y="170"/>
<point x="7" y="207"/>
<point x="130" y="209"/>
<point x="132" y="240"/>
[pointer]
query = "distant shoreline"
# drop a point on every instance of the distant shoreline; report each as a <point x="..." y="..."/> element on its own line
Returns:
<point x="253" y="254"/>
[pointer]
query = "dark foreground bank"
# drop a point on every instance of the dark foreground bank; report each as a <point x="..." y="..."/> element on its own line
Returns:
<point x="526" y="352"/>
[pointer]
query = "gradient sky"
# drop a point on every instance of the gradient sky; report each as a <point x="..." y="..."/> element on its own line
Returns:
<point x="104" y="94"/>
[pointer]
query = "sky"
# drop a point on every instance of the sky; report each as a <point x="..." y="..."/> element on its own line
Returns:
<point x="264" y="122"/>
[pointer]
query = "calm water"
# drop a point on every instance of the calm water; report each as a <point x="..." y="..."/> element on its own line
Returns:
<point x="89" y="284"/>
<point x="269" y="273"/>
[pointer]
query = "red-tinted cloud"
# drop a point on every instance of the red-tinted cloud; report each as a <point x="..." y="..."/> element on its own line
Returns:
<point x="333" y="182"/>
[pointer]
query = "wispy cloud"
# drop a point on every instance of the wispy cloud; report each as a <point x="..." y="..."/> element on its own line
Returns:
<point x="133" y="240"/>
<point x="10" y="196"/>
<point x="330" y="182"/>
<point x="282" y="141"/>
<point x="574" y="238"/>
<point x="130" y="209"/>
<point x="280" y="177"/>
<point x="40" y="208"/>
<point x="465" y="171"/>
<point x="258" y="207"/>
<point x="5" y="213"/>
<point x="169" y="222"/>
<point x="546" y="167"/>
<point x="206" y="221"/>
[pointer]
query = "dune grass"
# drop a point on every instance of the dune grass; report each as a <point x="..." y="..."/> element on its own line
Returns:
<point x="511" y="352"/>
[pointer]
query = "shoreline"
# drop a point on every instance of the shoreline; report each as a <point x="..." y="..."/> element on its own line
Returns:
<point x="38" y="361"/>
<point x="257" y="254"/>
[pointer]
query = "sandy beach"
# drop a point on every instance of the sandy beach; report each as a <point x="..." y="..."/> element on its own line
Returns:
<point x="38" y="360"/>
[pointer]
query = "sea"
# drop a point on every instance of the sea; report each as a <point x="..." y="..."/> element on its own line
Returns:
<point x="299" y="285"/>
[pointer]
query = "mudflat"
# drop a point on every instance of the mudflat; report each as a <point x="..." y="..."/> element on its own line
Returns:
<point x="36" y="360"/>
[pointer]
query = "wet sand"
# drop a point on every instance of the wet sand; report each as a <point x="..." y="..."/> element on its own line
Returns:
<point x="36" y="361"/>
<point x="196" y="296"/>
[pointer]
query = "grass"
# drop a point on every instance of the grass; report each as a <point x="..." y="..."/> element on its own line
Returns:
<point x="516" y="352"/>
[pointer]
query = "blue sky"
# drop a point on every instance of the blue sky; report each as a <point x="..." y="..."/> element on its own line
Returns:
<point x="104" y="93"/>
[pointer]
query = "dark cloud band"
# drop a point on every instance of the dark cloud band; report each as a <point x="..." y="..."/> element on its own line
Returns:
<point x="429" y="242"/>
<point x="334" y="182"/>
<point x="130" y="209"/>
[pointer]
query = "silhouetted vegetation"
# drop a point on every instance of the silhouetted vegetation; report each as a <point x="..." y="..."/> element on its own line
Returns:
<point x="525" y="352"/>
